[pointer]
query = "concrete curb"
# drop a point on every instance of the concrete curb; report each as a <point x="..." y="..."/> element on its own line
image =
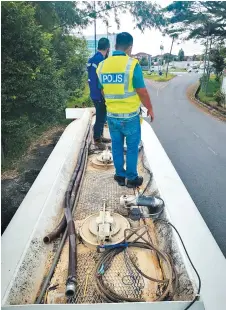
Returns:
<point x="214" y="111"/>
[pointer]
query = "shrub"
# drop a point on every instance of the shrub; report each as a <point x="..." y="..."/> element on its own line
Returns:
<point x="220" y="98"/>
<point x="42" y="66"/>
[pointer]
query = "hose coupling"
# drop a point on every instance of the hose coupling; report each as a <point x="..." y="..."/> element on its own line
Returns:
<point x="70" y="287"/>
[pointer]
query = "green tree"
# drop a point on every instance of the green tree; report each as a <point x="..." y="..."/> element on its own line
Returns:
<point x="144" y="13"/>
<point x="43" y="64"/>
<point x="181" y="55"/>
<point x="53" y="15"/>
<point x="198" y="19"/>
<point x="218" y="56"/>
<point x="40" y="71"/>
<point x="168" y="56"/>
<point x="174" y="35"/>
<point x="144" y="61"/>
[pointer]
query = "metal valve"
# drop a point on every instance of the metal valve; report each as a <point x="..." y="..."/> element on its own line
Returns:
<point x="104" y="224"/>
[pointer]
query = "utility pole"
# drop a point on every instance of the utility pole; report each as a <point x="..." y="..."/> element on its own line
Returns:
<point x="161" y="49"/>
<point x="167" y="68"/>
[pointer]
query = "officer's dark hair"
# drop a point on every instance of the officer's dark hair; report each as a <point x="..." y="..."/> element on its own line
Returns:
<point x="123" y="41"/>
<point x="103" y="44"/>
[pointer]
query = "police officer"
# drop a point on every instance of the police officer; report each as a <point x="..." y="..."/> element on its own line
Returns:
<point x="123" y="86"/>
<point x="95" y="92"/>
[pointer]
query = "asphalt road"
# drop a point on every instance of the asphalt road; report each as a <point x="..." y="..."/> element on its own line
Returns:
<point x="196" y="144"/>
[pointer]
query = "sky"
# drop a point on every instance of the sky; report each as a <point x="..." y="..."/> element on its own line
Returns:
<point x="149" y="41"/>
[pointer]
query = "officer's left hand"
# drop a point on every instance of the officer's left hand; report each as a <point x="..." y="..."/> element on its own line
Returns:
<point x="151" y="114"/>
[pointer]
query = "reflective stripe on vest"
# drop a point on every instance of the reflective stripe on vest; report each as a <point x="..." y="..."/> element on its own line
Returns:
<point x="127" y="94"/>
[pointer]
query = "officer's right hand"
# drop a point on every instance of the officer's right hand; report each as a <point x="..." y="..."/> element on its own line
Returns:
<point x="151" y="114"/>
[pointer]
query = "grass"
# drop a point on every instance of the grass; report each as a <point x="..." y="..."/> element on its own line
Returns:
<point x="213" y="87"/>
<point x="158" y="78"/>
<point x="206" y="99"/>
<point x="13" y="160"/>
<point x="177" y="70"/>
<point x="84" y="100"/>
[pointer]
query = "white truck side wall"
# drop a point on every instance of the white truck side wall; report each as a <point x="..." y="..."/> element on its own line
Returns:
<point x="38" y="211"/>
<point x="200" y="244"/>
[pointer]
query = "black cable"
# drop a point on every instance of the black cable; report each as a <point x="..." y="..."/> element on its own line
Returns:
<point x="96" y="151"/>
<point x="198" y="276"/>
<point x="146" y="187"/>
<point x="149" y="172"/>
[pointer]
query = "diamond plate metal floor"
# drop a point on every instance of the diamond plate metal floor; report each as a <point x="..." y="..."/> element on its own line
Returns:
<point x="99" y="184"/>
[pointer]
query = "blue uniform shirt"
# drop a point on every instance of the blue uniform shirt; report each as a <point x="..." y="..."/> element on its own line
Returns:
<point x="93" y="62"/>
<point x="138" y="80"/>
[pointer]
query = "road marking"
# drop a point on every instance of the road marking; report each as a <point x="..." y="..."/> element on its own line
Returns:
<point x="197" y="136"/>
<point x="157" y="92"/>
<point x="212" y="150"/>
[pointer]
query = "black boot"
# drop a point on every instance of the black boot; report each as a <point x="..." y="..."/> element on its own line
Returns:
<point x="105" y="140"/>
<point x="120" y="180"/>
<point x="135" y="183"/>
<point x="99" y="144"/>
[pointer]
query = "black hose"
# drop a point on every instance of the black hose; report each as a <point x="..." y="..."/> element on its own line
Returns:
<point x="63" y="223"/>
<point x="73" y="203"/>
<point x="71" y="280"/>
<point x="56" y="232"/>
<point x="198" y="276"/>
<point x="59" y="250"/>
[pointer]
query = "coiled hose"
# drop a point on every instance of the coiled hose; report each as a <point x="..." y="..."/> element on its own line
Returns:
<point x="110" y="295"/>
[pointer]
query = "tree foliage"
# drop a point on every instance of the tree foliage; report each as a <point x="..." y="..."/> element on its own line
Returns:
<point x="43" y="65"/>
<point x="144" y="13"/>
<point x="218" y="56"/>
<point x="41" y="68"/>
<point x="198" y="19"/>
<point x="144" y="61"/>
<point x="181" y="55"/>
<point x="169" y="57"/>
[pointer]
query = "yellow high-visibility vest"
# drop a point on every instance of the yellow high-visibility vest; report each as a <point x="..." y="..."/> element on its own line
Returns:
<point x="116" y="76"/>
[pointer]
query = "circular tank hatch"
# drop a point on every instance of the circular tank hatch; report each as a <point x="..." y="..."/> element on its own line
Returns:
<point x="88" y="231"/>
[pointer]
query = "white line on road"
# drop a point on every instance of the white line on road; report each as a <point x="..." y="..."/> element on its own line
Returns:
<point x="197" y="136"/>
<point x="157" y="92"/>
<point x="212" y="150"/>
